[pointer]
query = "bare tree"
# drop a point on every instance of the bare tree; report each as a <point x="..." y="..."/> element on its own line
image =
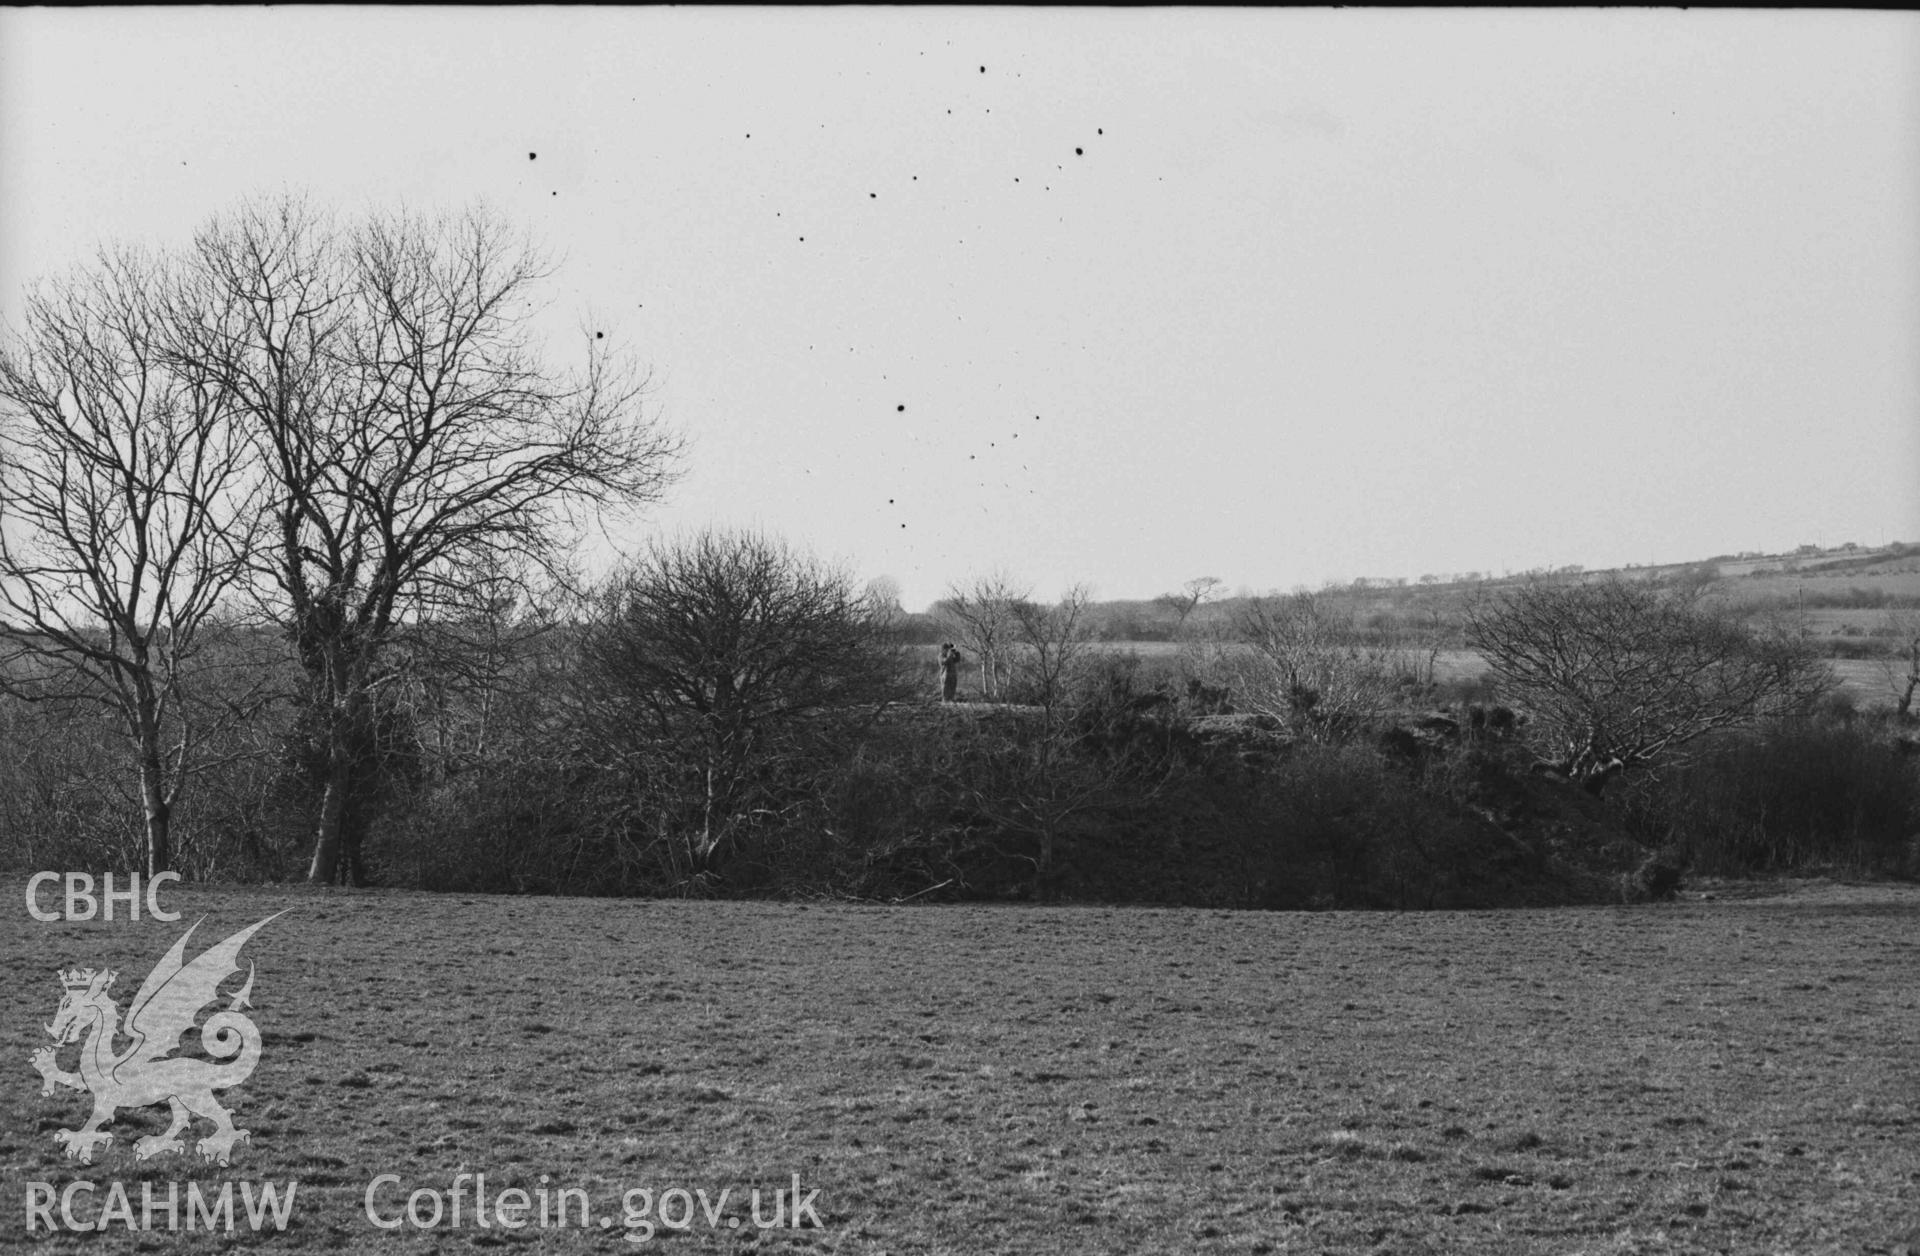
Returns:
<point x="1192" y="596"/>
<point x="1623" y="674"/>
<point x="126" y="513"/>
<point x="1046" y="773"/>
<point x="473" y="676"/>
<point x="412" y="435"/>
<point x="706" y="654"/>
<point x="883" y="595"/>
<point x="981" y="613"/>
<point x="1902" y="671"/>
<point x="1314" y="667"/>
<point x="1052" y="641"/>
<point x="1056" y="785"/>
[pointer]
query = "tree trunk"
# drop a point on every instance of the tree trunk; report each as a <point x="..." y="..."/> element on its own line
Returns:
<point x="348" y="728"/>
<point x="153" y="796"/>
<point x="709" y="805"/>
<point x="333" y="813"/>
<point x="1045" y="882"/>
<point x="153" y="778"/>
<point x="353" y="833"/>
<point x="1595" y="779"/>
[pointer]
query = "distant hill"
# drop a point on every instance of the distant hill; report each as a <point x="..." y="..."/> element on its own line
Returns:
<point x="1850" y="597"/>
<point x="1894" y="568"/>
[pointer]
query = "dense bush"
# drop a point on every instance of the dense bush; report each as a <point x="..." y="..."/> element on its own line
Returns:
<point x="63" y="801"/>
<point x="540" y="827"/>
<point x="1813" y="793"/>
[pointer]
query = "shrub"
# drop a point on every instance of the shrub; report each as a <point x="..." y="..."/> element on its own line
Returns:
<point x="1345" y="828"/>
<point x="1794" y="795"/>
<point x="715" y="659"/>
<point x="62" y="804"/>
<point x="1623" y="675"/>
<point x="504" y="828"/>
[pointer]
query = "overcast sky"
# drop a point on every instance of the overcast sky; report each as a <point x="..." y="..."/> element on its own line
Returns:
<point x="1271" y="296"/>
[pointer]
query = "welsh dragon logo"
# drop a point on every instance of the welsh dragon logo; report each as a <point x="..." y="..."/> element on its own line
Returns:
<point x="147" y="1072"/>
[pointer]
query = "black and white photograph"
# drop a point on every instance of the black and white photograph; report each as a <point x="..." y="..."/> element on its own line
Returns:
<point x="898" y="631"/>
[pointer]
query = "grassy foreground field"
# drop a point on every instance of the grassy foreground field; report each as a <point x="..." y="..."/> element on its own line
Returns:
<point x="1735" y="1075"/>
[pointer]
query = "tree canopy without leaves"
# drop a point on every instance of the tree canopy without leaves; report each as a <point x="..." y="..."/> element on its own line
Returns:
<point x="712" y="650"/>
<point x="1053" y="641"/>
<point x="1902" y="672"/>
<point x="1621" y="675"/>
<point x="1315" y="667"/>
<point x="410" y="432"/>
<point x="982" y="614"/>
<point x="1192" y="596"/>
<point x="126" y="513"/>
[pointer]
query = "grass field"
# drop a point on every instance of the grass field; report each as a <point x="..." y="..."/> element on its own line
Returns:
<point x="1736" y="1075"/>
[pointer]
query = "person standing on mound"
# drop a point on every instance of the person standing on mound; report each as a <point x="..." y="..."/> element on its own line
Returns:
<point x="950" y="660"/>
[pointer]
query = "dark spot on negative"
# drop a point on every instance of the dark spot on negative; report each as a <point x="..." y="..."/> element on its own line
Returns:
<point x="1079" y="152"/>
<point x="901" y="409"/>
<point x="983" y="69"/>
<point x="531" y="156"/>
<point x="599" y="335"/>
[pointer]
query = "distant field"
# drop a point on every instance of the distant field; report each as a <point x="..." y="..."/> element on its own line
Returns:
<point x="1866" y="679"/>
<point x="1897" y="576"/>
<point x="1727" y="1076"/>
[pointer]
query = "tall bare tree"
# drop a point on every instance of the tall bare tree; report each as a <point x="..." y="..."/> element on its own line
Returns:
<point x="1623" y="674"/>
<point x="412" y="433"/>
<point x="126" y="513"/>
<point x="1056" y="785"/>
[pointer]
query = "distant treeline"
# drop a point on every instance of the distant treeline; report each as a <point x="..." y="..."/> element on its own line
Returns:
<point x="1436" y="618"/>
